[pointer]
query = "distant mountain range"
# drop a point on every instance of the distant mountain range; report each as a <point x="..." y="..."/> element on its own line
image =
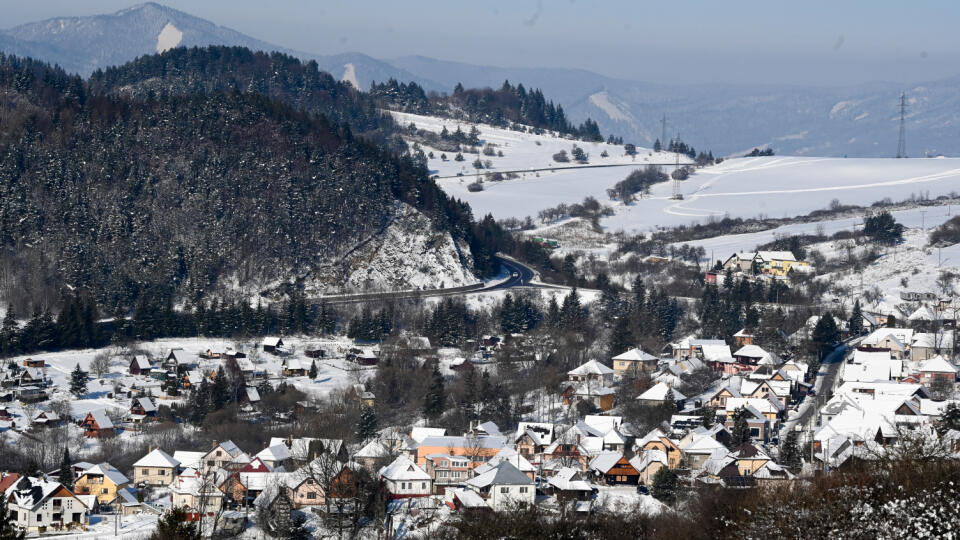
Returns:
<point x="859" y="120"/>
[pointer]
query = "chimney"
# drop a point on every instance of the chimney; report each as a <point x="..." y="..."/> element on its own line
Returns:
<point x="289" y="441"/>
<point x="215" y="444"/>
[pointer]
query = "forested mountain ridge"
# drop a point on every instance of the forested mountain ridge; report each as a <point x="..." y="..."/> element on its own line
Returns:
<point x="183" y="71"/>
<point x="180" y="196"/>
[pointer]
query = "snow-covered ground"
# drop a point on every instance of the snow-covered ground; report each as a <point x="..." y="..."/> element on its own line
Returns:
<point x="723" y="246"/>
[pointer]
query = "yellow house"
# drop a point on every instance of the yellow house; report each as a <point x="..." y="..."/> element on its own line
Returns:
<point x="103" y="481"/>
<point x="779" y="263"/>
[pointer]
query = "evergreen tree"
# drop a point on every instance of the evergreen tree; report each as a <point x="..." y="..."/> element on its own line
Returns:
<point x="949" y="419"/>
<point x="621" y="340"/>
<point x="669" y="405"/>
<point x="639" y="294"/>
<point x="8" y="531"/>
<point x="435" y="398"/>
<point x="664" y="486"/>
<point x="553" y="313"/>
<point x="174" y="525"/>
<point x="313" y="370"/>
<point x="66" y="470"/>
<point x="220" y="391"/>
<point x="10" y="332"/>
<point x="741" y="429"/>
<point x="856" y="319"/>
<point x="78" y="381"/>
<point x="709" y="416"/>
<point x="367" y="427"/>
<point x="826" y="334"/>
<point x="572" y="314"/>
<point x="657" y="146"/>
<point x="790" y="454"/>
<point x="883" y="228"/>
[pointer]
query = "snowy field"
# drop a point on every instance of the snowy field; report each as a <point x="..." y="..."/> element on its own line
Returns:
<point x="741" y="187"/>
<point x="724" y="246"/>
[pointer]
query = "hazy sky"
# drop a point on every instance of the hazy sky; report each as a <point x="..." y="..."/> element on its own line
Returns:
<point x="805" y="42"/>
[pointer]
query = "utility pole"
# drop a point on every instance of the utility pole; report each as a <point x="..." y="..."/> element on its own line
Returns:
<point x="663" y="130"/>
<point x="902" y="143"/>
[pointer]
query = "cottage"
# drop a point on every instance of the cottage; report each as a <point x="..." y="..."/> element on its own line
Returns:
<point x="37" y="363"/>
<point x="568" y="484"/>
<point x="936" y="369"/>
<point x="272" y="345"/>
<point x="532" y="437"/>
<point x="658" y="393"/>
<point x="140" y="365"/>
<point x="102" y="480"/>
<point x="97" y="424"/>
<point x="739" y="262"/>
<point x="743" y="337"/>
<point x="143" y="409"/>
<point x="219" y="456"/>
<point x="656" y="440"/>
<point x="157" y="468"/>
<point x="647" y="464"/>
<point x="198" y="495"/>
<point x="446" y="470"/>
<point x="611" y="468"/>
<point x="591" y="371"/>
<point x="276" y="456"/>
<point x="179" y="361"/>
<point x="292" y="367"/>
<point x="779" y="263"/>
<point x="404" y="479"/>
<point x="634" y="361"/>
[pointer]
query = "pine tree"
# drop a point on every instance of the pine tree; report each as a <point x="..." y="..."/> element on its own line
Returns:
<point x="639" y="294"/>
<point x="664" y="486"/>
<point x="78" y="381"/>
<point x="220" y="392"/>
<point x="709" y="416"/>
<point x="621" y="340"/>
<point x="8" y="531"/>
<point x="66" y="470"/>
<point x="790" y="454"/>
<point x="856" y="319"/>
<point x="741" y="429"/>
<point x="553" y="313"/>
<point x="10" y="332"/>
<point x="367" y="427"/>
<point x="313" y="370"/>
<point x="669" y="405"/>
<point x="825" y="334"/>
<point x="435" y="398"/>
<point x="174" y="525"/>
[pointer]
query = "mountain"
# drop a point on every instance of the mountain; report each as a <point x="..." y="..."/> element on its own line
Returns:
<point x="85" y="44"/>
<point x="182" y="193"/>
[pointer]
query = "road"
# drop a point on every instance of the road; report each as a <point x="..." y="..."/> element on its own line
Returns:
<point x="827" y="375"/>
<point x="520" y="275"/>
<point x="469" y="175"/>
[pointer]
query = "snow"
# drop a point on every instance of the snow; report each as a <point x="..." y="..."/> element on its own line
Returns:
<point x="169" y="38"/>
<point x="350" y="75"/>
<point x="616" y="112"/>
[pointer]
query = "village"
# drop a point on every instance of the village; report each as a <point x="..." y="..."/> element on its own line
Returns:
<point x="638" y="431"/>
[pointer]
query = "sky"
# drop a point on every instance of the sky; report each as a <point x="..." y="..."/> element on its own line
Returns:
<point x="812" y="42"/>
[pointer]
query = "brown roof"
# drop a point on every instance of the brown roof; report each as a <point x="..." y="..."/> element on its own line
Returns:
<point x="7" y="481"/>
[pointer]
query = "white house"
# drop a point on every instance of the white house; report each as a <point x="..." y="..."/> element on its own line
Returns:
<point x="504" y="487"/>
<point x="404" y="479"/>
<point x="37" y="505"/>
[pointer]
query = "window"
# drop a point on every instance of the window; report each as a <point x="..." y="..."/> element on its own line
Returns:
<point x="523" y="490"/>
<point x="504" y="490"/>
<point x="163" y="472"/>
<point x="39" y="518"/>
<point x="104" y="491"/>
<point x="423" y="485"/>
<point x="311" y="494"/>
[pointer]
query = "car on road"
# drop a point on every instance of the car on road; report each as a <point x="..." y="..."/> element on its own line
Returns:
<point x="642" y="489"/>
<point x="515" y="275"/>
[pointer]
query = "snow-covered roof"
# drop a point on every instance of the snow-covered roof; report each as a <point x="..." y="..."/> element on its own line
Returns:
<point x="491" y="441"/>
<point x="605" y="461"/>
<point x="658" y="392"/>
<point x="403" y="468"/>
<point x="142" y="362"/>
<point x="933" y="340"/>
<point x="591" y="368"/>
<point x="272" y="341"/>
<point x="902" y="335"/>
<point x="253" y="395"/>
<point x="865" y="357"/>
<point x="647" y="458"/>
<point x="418" y="434"/>
<point x="504" y="474"/>
<point x="157" y="458"/>
<point x="635" y="355"/>
<point x="923" y="313"/>
<point x="146" y="403"/>
<point x="937" y="364"/>
<point x="568" y="479"/>
<point x="540" y="432"/>
<point x="108" y="471"/>
<point x="373" y="449"/>
<point x="751" y="351"/>
<point x="189" y="460"/>
<point x="180" y="357"/>
<point x="775" y="256"/>
<point x="101" y="418"/>
<point x="277" y="452"/>
<point x="469" y="498"/>
<point x="506" y="455"/>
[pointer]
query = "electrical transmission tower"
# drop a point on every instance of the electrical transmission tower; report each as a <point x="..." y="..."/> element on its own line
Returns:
<point x="902" y="144"/>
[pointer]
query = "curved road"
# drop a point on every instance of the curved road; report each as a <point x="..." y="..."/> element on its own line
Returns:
<point x="521" y="275"/>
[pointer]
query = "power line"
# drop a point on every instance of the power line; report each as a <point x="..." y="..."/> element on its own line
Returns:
<point x="902" y="144"/>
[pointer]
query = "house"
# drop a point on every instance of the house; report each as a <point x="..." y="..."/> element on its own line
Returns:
<point x="477" y="449"/>
<point x="36" y="505"/>
<point x="250" y="480"/>
<point x="601" y="397"/>
<point x="744" y="337"/>
<point x="710" y="278"/>
<point x="749" y="357"/>
<point x="926" y="345"/>
<point x="634" y="361"/>
<point x="936" y="369"/>
<point x="157" y="468"/>
<point x="189" y="460"/>
<point x="647" y="464"/>
<point x="504" y="487"/>
<point x="143" y="409"/>
<point x="45" y="419"/>
<point x="140" y="365"/>
<point x="179" y="361"/>
<point x="779" y="263"/>
<point x="509" y="455"/>
<point x="97" y="424"/>
<point x="657" y="440"/>
<point x="293" y="367"/>
<point x="739" y="262"/>
<point x="658" y="393"/>
<point x="276" y="456"/>
<point x="532" y="437"/>
<point x="467" y="501"/>
<point x="219" y="456"/>
<point x="611" y="468"/>
<point x="567" y="450"/>
<point x="198" y="495"/>
<point x="591" y="371"/>
<point x="404" y="479"/>
<point x="446" y="470"/>
<point x="102" y="480"/>
<point x="272" y="344"/>
<point x="568" y="484"/>
<point x="34" y="363"/>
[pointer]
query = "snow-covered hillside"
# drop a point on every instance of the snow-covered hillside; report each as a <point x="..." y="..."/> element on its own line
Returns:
<point x="775" y="187"/>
